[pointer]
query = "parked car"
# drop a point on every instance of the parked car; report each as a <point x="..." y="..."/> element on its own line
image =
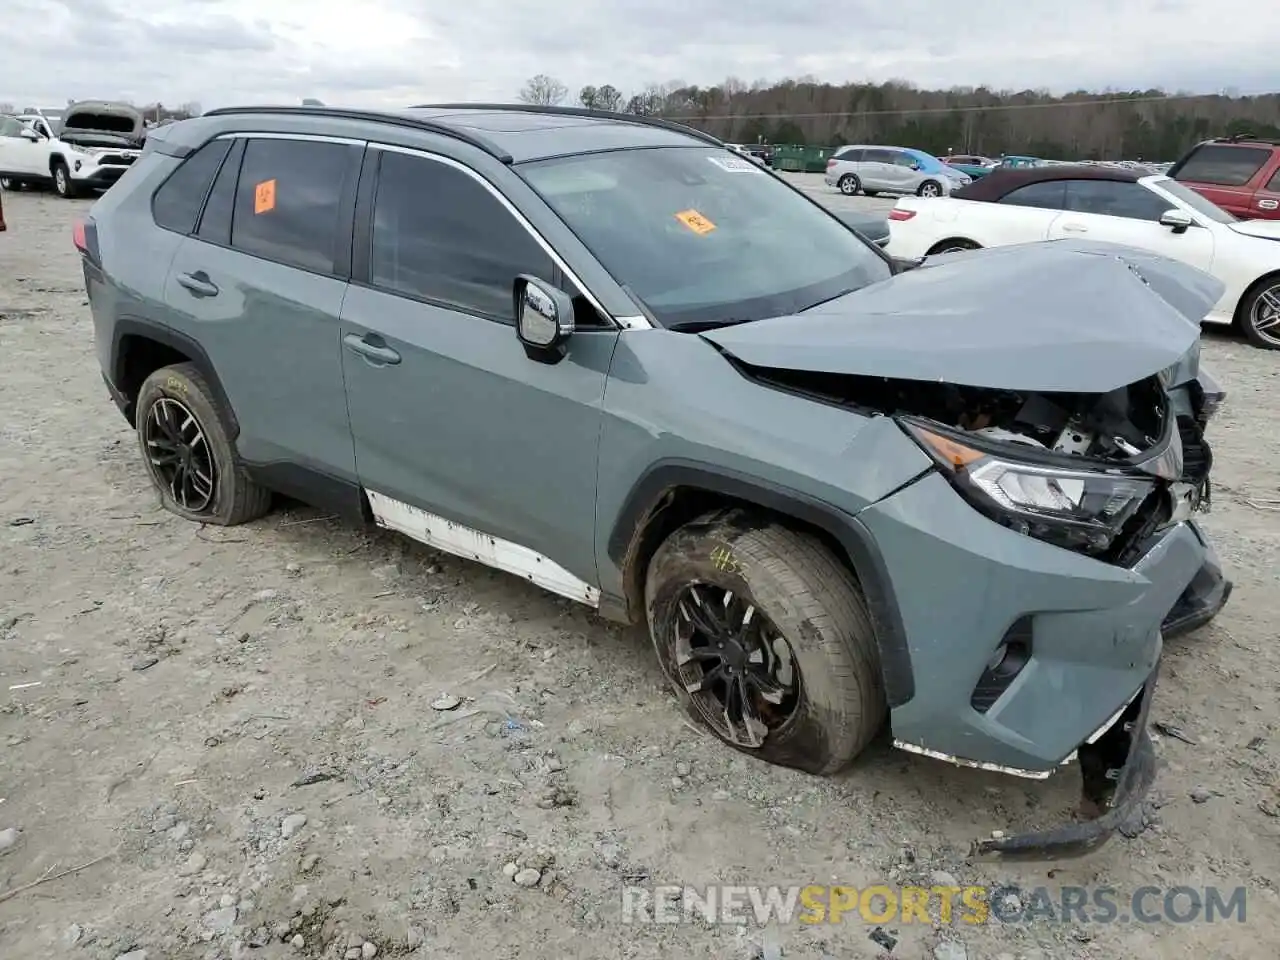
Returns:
<point x="1239" y="174"/>
<point x="93" y="143"/>
<point x="1020" y="163"/>
<point x="974" y="167"/>
<point x="1114" y="205"/>
<point x="613" y="358"/>
<point x="873" y="170"/>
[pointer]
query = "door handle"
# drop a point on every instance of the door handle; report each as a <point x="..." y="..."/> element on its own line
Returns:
<point x="371" y="347"/>
<point x="1074" y="228"/>
<point x="198" y="283"/>
<point x="1268" y="204"/>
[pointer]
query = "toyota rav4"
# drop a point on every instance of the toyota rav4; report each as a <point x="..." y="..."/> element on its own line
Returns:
<point x="610" y="356"/>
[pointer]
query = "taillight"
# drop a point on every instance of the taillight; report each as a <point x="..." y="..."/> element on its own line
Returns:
<point x="896" y="214"/>
<point x="831" y="162"/>
<point x="85" y="236"/>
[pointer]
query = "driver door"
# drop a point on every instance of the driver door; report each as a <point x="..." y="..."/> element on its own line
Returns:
<point x="18" y="153"/>
<point x="1128" y="213"/>
<point x="461" y="439"/>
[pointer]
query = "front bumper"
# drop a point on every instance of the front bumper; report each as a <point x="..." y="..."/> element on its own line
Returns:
<point x="99" y="177"/>
<point x="1117" y="771"/>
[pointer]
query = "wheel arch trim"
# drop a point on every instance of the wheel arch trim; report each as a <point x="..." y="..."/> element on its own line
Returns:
<point x="649" y="494"/>
<point x="166" y="336"/>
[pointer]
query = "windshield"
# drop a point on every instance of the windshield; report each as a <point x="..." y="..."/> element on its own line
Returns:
<point x="702" y="236"/>
<point x="1206" y="208"/>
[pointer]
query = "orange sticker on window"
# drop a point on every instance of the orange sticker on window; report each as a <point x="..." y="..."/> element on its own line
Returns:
<point x="264" y="197"/>
<point x="695" y="221"/>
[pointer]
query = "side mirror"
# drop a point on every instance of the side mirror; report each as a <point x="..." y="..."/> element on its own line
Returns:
<point x="29" y="134"/>
<point x="1178" y="220"/>
<point x="544" y="318"/>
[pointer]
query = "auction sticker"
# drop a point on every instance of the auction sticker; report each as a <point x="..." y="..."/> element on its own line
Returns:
<point x="735" y="164"/>
<point x="264" y="197"/>
<point x="695" y="222"/>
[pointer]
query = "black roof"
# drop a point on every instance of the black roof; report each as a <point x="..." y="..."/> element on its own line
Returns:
<point x="998" y="183"/>
<point x="513" y="132"/>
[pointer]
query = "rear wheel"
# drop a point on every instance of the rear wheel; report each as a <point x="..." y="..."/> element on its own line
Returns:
<point x="191" y="460"/>
<point x="849" y="184"/>
<point x="930" y="188"/>
<point x="766" y="640"/>
<point x="1260" y="314"/>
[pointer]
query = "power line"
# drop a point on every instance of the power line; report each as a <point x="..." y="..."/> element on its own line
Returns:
<point x="965" y="109"/>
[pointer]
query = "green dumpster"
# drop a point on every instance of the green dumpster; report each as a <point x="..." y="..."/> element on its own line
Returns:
<point x="799" y="158"/>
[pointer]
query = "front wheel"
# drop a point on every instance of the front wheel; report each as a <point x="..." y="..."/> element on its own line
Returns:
<point x="930" y="188"/>
<point x="952" y="246"/>
<point x="8" y="183"/>
<point x="188" y="454"/>
<point x="63" y="185"/>
<point x="1260" y="315"/>
<point x="766" y="640"/>
<point x="849" y="184"/>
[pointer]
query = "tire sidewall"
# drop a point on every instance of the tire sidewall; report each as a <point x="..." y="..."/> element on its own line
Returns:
<point x="62" y="184"/>
<point x="854" y="184"/>
<point x="707" y="554"/>
<point x="173" y="383"/>
<point x="937" y="189"/>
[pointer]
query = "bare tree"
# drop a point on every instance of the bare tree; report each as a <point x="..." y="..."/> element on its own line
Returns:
<point x="543" y="90"/>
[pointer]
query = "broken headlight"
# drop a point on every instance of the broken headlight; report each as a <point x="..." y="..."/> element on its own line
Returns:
<point x="1081" y="510"/>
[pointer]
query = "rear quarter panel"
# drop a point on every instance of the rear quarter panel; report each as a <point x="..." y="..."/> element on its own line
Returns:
<point x="136" y="255"/>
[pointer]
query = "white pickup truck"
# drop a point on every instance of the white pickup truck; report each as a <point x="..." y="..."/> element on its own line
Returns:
<point x="88" y="147"/>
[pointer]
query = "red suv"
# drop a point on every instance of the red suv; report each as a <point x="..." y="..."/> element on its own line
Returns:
<point x="1240" y="174"/>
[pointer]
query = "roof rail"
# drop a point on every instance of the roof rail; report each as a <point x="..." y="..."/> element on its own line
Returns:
<point x="579" y="112"/>
<point x="1246" y="138"/>
<point x="396" y="119"/>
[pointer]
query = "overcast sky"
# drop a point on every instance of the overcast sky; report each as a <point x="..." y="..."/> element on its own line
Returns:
<point x="398" y="52"/>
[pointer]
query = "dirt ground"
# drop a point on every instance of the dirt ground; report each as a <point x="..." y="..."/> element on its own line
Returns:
<point x="174" y="700"/>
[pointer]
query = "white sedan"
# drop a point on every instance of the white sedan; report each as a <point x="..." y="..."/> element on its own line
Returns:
<point x="1110" y="204"/>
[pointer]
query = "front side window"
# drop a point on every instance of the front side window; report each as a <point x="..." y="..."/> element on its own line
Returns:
<point x="1222" y="165"/>
<point x="1197" y="202"/>
<point x="704" y="239"/>
<point x="288" y="201"/>
<point x="10" y="127"/>
<point x="177" y="203"/>
<point x="1045" y="195"/>
<point x="440" y="236"/>
<point x="1114" y="198"/>
<point x="1273" y="186"/>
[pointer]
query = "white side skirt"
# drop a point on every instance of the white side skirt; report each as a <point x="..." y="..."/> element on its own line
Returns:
<point x="473" y="545"/>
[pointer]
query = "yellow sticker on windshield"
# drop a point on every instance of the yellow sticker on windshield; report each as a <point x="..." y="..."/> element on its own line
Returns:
<point x="695" y="221"/>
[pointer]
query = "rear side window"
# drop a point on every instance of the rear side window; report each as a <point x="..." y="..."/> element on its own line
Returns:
<point x="289" y="201"/>
<point x="176" y="205"/>
<point x="879" y="156"/>
<point x="852" y="156"/>
<point x="1046" y="195"/>
<point x="1223" y="165"/>
<point x="440" y="236"/>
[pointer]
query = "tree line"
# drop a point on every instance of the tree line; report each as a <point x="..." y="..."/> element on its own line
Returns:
<point x="1139" y="124"/>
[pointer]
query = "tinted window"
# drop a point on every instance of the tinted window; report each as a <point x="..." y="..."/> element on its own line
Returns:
<point x="289" y="201"/>
<point x="441" y="236"/>
<point x="701" y="238"/>
<point x="215" y="222"/>
<point x="1047" y="195"/>
<point x="1112" y="198"/>
<point x="1274" y="185"/>
<point x="1228" y="166"/>
<point x="853" y="155"/>
<point x="879" y="156"/>
<point x="176" y="205"/>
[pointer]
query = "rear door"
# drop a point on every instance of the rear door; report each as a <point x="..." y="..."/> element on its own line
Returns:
<point x="1129" y="213"/>
<point x="1227" y="174"/>
<point x="18" y="155"/>
<point x="450" y="415"/>
<point x="261" y="283"/>
<point x="878" y="167"/>
<point x="1266" y="202"/>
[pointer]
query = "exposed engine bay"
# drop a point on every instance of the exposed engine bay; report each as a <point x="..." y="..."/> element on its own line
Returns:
<point x="1119" y="426"/>
<point x="1143" y="461"/>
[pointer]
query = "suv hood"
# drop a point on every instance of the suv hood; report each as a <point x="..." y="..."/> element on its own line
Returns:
<point x="1266" y="229"/>
<point x="101" y="123"/>
<point x="1058" y="316"/>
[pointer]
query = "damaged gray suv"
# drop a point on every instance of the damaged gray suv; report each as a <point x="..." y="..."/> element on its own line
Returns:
<point x="608" y="355"/>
